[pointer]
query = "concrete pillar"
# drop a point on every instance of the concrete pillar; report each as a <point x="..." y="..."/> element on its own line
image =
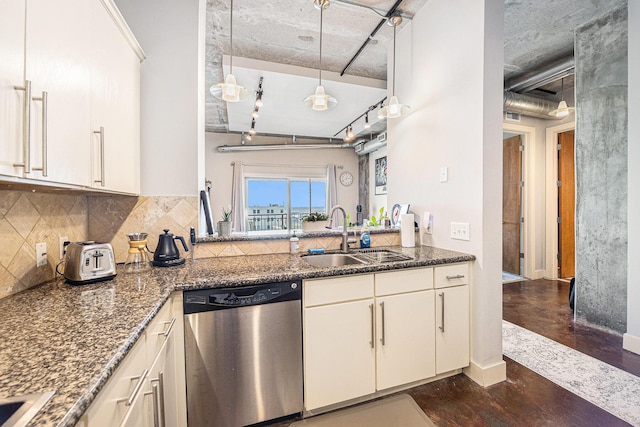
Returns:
<point x="601" y="170"/>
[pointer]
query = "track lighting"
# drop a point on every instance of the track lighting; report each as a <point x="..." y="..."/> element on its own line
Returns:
<point x="255" y="113"/>
<point x="366" y="121"/>
<point x="230" y="91"/>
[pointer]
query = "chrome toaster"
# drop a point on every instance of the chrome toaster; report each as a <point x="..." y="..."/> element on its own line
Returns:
<point x="89" y="262"/>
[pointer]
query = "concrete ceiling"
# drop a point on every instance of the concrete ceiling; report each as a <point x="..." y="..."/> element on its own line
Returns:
<point x="285" y="35"/>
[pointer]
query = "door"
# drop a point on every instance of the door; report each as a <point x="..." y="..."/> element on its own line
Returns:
<point x="452" y="328"/>
<point x="339" y="355"/>
<point x="566" y="205"/>
<point x="511" y="204"/>
<point x="405" y="335"/>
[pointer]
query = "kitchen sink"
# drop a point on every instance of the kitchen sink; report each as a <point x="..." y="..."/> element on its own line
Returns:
<point x="18" y="411"/>
<point x="381" y="255"/>
<point x="332" y="260"/>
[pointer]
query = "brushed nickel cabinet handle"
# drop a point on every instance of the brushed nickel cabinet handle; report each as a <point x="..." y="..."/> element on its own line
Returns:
<point x="382" y="312"/>
<point x="373" y="338"/>
<point x="457" y="276"/>
<point x="156" y="415"/>
<point x="26" y="128"/>
<point x="441" y="295"/>
<point x="160" y="398"/>
<point x="101" y="132"/>
<point x="129" y="401"/>
<point x="45" y="126"/>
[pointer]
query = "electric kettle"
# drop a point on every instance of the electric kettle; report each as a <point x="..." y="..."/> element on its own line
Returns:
<point x="167" y="253"/>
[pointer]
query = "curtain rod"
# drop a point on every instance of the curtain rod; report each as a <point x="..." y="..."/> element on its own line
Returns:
<point x="285" y="165"/>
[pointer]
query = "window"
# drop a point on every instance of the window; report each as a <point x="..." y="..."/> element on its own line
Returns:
<point x="291" y="197"/>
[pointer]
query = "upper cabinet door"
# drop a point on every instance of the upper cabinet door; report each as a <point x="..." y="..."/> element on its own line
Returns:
<point x="58" y="48"/>
<point x="12" y="36"/>
<point x="115" y="106"/>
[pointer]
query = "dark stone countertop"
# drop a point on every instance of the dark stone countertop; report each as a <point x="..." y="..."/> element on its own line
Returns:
<point x="71" y="338"/>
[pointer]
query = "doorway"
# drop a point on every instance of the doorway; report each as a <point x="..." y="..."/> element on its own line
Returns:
<point x="566" y="205"/>
<point x="512" y="216"/>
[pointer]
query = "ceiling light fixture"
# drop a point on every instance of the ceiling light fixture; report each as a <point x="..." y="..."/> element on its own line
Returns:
<point x="230" y="91"/>
<point x="320" y="101"/>
<point x="393" y="109"/>
<point x="367" y="125"/>
<point x="563" y="110"/>
<point x="366" y="120"/>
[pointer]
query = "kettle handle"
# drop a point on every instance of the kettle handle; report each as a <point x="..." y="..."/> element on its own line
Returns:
<point x="184" y="244"/>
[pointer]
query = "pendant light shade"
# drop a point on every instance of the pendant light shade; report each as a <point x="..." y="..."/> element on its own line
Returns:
<point x="563" y="110"/>
<point x="320" y="100"/>
<point x="230" y="91"/>
<point x="393" y="109"/>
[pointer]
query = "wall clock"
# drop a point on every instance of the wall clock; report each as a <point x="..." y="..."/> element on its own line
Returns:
<point x="346" y="179"/>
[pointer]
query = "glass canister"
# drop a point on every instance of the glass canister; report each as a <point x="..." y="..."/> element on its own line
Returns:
<point x="138" y="258"/>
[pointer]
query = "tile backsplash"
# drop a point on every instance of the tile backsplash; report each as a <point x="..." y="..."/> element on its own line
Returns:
<point x="30" y="217"/>
<point x="27" y="218"/>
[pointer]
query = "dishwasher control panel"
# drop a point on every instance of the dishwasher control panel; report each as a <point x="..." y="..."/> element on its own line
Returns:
<point x="200" y="300"/>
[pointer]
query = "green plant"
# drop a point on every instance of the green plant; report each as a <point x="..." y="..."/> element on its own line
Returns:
<point x="315" y="216"/>
<point x="226" y="214"/>
<point x="378" y="221"/>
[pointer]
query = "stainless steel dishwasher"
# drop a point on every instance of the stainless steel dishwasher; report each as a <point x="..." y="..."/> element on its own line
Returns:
<point x="243" y="354"/>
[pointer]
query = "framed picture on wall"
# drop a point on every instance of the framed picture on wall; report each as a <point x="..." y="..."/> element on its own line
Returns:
<point x="381" y="175"/>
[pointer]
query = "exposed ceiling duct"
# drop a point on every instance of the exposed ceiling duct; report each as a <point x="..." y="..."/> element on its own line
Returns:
<point x="266" y="147"/>
<point x="542" y="76"/>
<point x="528" y="105"/>
<point x="366" y="147"/>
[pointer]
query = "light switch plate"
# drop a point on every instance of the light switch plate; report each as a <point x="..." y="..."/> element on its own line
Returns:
<point x="444" y="174"/>
<point x="460" y="230"/>
<point x="427" y="222"/>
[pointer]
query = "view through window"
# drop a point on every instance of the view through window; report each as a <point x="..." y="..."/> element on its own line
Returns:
<point x="280" y="203"/>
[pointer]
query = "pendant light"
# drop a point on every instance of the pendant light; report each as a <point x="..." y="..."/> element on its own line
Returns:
<point x="320" y="101"/>
<point x="562" y="110"/>
<point x="230" y="91"/>
<point x="393" y="109"/>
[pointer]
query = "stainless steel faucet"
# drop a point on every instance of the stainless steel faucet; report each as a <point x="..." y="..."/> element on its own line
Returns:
<point x="344" y="246"/>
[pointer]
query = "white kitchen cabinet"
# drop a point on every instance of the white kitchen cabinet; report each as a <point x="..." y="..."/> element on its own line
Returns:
<point x="82" y="66"/>
<point x="58" y="46"/>
<point x="452" y="317"/>
<point x="128" y="398"/>
<point x="115" y="105"/>
<point x="405" y="336"/>
<point x="12" y="39"/>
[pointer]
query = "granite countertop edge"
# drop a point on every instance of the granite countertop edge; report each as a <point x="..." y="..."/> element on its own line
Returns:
<point x="196" y="274"/>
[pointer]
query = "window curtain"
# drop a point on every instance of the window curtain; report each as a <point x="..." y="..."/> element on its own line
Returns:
<point x="332" y="191"/>
<point x="237" y="197"/>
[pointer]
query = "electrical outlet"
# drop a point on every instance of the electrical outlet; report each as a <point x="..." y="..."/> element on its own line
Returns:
<point x="427" y="223"/>
<point x="444" y="174"/>
<point x="460" y="230"/>
<point x="41" y="254"/>
<point x="63" y="242"/>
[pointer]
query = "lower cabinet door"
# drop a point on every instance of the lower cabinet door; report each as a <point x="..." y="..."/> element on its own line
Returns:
<point x="405" y="337"/>
<point x="452" y="328"/>
<point x="339" y="353"/>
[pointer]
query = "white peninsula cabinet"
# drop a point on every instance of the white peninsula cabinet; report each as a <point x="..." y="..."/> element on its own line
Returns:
<point x="367" y="335"/>
<point x="65" y="67"/>
<point x="148" y="388"/>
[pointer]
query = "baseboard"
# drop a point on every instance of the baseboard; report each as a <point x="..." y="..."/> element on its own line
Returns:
<point x="631" y="343"/>
<point x="487" y="375"/>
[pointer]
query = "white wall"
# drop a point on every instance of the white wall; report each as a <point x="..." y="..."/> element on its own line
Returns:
<point x="172" y="87"/>
<point x="452" y="79"/>
<point x="632" y="337"/>
<point x="219" y="170"/>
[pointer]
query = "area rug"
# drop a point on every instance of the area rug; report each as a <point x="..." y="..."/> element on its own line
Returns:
<point x="610" y="388"/>
<point x="510" y="277"/>
<point x="395" y="411"/>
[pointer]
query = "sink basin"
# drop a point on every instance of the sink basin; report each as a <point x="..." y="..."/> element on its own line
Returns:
<point x="381" y="255"/>
<point x="18" y="411"/>
<point x="332" y="260"/>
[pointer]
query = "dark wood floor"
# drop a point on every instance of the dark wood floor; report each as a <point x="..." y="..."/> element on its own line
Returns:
<point x="526" y="398"/>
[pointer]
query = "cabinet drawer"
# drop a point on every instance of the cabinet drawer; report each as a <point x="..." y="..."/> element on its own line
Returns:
<point x="158" y="330"/>
<point x="401" y="281"/>
<point x="337" y="289"/>
<point x="451" y="275"/>
<point x="110" y="408"/>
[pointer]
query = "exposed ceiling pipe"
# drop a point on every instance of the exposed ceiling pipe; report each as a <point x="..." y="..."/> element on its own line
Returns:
<point x="267" y="147"/>
<point x="542" y="76"/>
<point x="529" y="105"/>
<point x="371" y="36"/>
